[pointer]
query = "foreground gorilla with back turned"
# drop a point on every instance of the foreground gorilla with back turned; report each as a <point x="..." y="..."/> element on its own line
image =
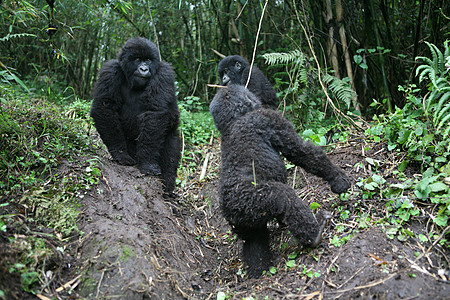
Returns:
<point x="253" y="179"/>
<point x="234" y="69"/>
<point x="135" y="111"/>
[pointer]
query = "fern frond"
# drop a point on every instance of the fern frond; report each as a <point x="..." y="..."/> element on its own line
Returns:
<point x="445" y="120"/>
<point x="340" y="89"/>
<point x="16" y="35"/>
<point x="285" y="57"/>
<point x="442" y="107"/>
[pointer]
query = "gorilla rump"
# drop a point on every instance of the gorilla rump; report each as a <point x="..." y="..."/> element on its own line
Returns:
<point x="235" y="70"/>
<point x="135" y="111"/>
<point x="253" y="185"/>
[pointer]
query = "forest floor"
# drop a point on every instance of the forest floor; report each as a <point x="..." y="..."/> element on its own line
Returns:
<point x="137" y="244"/>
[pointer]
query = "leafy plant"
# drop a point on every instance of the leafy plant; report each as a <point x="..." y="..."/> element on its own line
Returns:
<point x="300" y="71"/>
<point x="436" y="70"/>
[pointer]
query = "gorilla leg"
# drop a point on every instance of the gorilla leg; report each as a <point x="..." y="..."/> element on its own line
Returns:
<point x="153" y="129"/>
<point x="109" y="127"/>
<point x="170" y="159"/>
<point x="258" y="204"/>
<point x="256" y="250"/>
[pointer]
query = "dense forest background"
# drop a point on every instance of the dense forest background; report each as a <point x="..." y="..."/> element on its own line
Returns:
<point x="370" y="44"/>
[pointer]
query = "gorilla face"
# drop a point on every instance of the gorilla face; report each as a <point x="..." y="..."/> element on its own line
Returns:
<point x="231" y="68"/>
<point x="139" y="60"/>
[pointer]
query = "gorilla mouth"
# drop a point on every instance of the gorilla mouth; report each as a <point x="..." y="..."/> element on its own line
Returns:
<point x="225" y="79"/>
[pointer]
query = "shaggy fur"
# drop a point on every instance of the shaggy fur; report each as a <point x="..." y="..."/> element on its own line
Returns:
<point x="135" y="111"/>
<point x="253" y="179"/>
<point x="235" y="69"/>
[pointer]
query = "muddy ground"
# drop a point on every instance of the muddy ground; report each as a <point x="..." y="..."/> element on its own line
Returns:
<point x="138" y="244"/>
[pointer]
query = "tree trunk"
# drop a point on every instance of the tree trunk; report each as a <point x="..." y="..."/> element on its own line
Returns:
<point x="348" y="62"/>
<point x="387" y="93"/>
<point x="332" y="49"/>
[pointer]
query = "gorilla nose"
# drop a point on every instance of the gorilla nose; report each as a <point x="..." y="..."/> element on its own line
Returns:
<point x="143" y="69"/>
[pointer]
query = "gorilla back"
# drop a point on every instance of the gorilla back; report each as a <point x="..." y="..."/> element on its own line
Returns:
<point x="253" y="185"/>
<point x="135" y="111"/>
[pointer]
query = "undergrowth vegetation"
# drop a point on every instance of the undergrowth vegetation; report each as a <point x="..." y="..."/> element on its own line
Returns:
<point x="40" y="206"/>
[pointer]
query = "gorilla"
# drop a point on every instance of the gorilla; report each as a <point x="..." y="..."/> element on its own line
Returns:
<point x="253" y="185"/>
<point x="136" y="113"/>
<point x="235" y="69"/>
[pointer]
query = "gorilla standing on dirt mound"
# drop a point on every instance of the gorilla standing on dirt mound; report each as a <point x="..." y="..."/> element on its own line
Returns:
<point x="135" y="111"/>
<point x="253" y="183"/>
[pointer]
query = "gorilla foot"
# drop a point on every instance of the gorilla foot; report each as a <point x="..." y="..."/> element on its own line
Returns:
<point x="123" y="158"/>
<point x="322" y="217"/>
<point x="150" y="169"/>
<point x="340" y="184"/>
<point x="257" y="255"/>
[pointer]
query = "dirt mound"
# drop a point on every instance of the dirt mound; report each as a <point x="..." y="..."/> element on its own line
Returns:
<point x="137" y="243"/>
<point x="140" y="245"/>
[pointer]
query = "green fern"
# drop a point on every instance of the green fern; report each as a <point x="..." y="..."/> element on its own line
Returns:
<point x="285" y="58"/>
<point x="339" y="88"/>
<point x="437" y="70"/>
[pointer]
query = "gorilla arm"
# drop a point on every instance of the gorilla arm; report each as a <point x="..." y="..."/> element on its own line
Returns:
<point x="105" y="111"/>
<point x="159" y="121"/>
<point x="310" y="157"/>
<point x="162" y="100"/>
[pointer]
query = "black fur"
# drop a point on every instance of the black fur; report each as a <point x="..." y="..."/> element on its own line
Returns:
<point x="253" y="183"/>
<point x="135" y="111"/>
<point x="235" y="69"/>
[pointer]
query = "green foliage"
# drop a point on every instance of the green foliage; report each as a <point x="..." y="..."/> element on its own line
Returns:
<point x="32" y="253"/>
<point x="340" y="88"/>
<point x="436" y="70"/>
<point x="8" y="77"/>
<point x="426" y="143"/>
<point x="35" y="137"/>
<point x="304" y="99"/>
<point x="196" y="124"/>
<point x="301" y="70"/>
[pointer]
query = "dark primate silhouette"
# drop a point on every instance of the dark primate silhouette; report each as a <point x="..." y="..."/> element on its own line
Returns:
<point x="253" y="178"/>
<point x="135" y="111"/>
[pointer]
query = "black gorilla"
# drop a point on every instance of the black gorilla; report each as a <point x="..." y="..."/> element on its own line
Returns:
<point x="253" y="183"/>
<point x="135" y="111"/>
<point x="235" y="70"/>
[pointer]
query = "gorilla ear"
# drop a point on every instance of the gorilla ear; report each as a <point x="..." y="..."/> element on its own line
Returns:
<point x="238" y="65"/>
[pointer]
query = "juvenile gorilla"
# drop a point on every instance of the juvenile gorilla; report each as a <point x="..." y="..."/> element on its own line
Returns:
<point x="135" y="111"/>
<point x="253" y="179"/>
<point x="235" y="69"/>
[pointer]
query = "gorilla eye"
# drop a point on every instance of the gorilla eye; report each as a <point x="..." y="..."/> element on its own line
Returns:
<point x="238" y="65"/>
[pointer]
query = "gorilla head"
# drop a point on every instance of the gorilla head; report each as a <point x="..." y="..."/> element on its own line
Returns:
<point x="139" y="60"/>
<point x="235" y="69"/>
<point x="231" y="68"/>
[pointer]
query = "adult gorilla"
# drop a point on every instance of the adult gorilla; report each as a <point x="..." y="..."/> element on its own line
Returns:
<point x="135" y="111"/>
<point x="234" y="69"/>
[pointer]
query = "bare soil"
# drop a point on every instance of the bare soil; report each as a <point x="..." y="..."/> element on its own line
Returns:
<point x="138" y="244"/>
